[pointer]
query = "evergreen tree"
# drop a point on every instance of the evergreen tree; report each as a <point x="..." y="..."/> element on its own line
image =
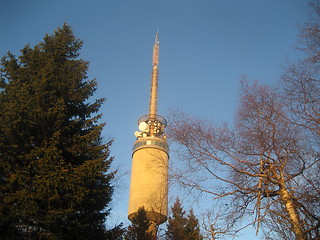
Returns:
<point x="180" y="226"/>
<point x="139" y="227"/>
<point x="176" y="222"/>
<point x="54" y="168"/>
<point x="192" y="227"/>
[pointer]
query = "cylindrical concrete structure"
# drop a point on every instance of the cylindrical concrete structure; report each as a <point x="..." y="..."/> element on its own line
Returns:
<point x="149" y="178"/>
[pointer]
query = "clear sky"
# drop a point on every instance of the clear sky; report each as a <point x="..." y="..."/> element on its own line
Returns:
<point x="205" y="47"/>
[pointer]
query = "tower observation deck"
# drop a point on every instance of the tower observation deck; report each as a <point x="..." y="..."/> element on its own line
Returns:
<point x="149" y="175"/>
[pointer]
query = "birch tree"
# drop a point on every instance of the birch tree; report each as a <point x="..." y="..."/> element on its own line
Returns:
<point x="259" y="164"/>
<point x="265" y="165"/>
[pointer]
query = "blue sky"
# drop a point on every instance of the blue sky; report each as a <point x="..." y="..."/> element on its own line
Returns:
<point x="205" y="48"/>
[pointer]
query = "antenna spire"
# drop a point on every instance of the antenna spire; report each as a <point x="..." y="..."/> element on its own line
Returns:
<point x="154" y="79"/>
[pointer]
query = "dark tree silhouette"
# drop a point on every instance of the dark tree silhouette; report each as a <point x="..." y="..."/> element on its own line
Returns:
<point x="180" y="226"/>
<point x="54" y="168"/>
<point x="138" y="230"/>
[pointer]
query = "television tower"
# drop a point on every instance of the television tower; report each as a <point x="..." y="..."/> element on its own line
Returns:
<point x="149" y="175"/>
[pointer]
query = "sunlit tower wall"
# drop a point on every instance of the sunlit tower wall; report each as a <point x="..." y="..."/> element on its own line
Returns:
<point x="149" y="173"/>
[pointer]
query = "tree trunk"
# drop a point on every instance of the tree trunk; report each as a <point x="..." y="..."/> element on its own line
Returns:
<point x="296" y="225"/>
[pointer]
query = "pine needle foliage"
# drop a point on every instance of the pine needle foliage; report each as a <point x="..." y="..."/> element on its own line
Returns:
<point x="54" y="165"/>
<point x="182" y="226"/>
<point x="138" y="230"/>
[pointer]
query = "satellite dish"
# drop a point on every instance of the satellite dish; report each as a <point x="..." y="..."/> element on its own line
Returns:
<point x="137" y="134"/>
<point x="143" y="126"/>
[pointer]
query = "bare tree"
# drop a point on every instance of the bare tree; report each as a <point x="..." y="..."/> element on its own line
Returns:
<point x="301" y="84"/>
<point x="266" y="165"/>
<point x="213" y="224"/>
<point x="258" y="165"/>
<point x="301" y="80"/>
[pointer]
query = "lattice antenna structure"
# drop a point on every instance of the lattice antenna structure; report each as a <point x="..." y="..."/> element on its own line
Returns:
<point x="154" y="79"/>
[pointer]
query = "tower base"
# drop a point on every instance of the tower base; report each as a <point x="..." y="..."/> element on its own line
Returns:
<point x="157" y="218"/>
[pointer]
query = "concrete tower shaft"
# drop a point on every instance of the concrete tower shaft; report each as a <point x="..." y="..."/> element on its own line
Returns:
<point x="149" y="179"/>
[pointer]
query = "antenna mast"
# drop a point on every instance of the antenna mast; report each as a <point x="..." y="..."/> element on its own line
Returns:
<point x="154" y="80"/>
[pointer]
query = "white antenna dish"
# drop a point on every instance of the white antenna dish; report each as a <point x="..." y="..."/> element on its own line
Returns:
<point x="137" y="134"/>
<point x="143" y="126"/>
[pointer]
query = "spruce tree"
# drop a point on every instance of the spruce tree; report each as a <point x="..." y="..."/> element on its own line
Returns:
<point x="138" y="230"/>
<point x="180" y="226"/>
<point x="176" y="222"/>
<point x="192" y="229"/>
<point x="54" y="165"/>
